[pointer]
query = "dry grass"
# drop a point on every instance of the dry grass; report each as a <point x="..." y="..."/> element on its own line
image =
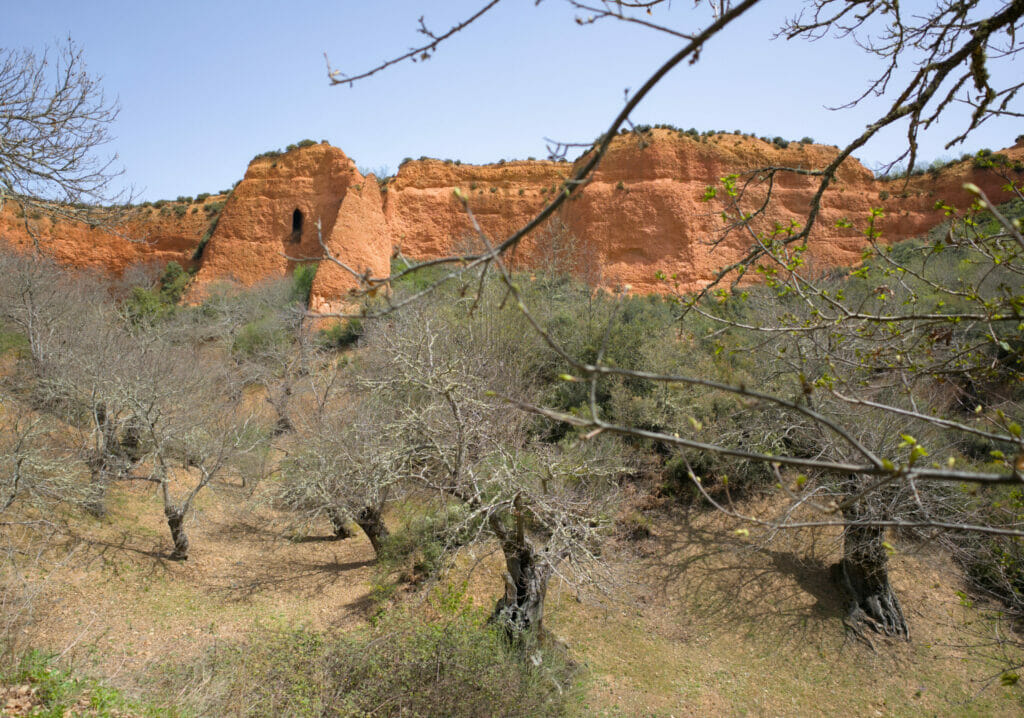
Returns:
<point x="122" y="606"/>
<point x="711" y="624"/>
<point x="701" y="622"/>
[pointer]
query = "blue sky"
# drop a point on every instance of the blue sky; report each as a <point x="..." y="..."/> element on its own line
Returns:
<point x="204" y="86"/>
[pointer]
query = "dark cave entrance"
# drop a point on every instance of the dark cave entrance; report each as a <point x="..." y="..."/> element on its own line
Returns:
<point x="296" y="225"/>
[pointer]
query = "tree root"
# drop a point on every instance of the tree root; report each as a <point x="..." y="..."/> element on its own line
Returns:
<point x="874" y="607"/>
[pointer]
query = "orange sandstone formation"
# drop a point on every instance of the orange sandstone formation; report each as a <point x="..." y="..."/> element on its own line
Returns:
<point x="639" y="214"/>
<point x="272" y="214"/>
<point x="146" y="236"/>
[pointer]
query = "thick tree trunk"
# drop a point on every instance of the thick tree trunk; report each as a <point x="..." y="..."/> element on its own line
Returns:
<point x="339" y="524"/>
<point x="521" y="610"/>
<point x="102" y="463"/>
<point x="96" y="500"/>
<point x="283" y="425"/>
<point x="175" y="521"/>
<point x="864" y="575"/>
<point x="370" y="521"/>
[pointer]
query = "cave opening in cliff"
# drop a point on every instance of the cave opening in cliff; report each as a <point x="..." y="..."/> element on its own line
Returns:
<point x="296" y="225"/>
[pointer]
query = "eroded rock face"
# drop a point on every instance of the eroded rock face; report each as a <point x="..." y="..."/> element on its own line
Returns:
<point x="427" y="220"/>
<point x="639" y="214"/>
<point x="146" y="236"/>
<point x="360" y="240"/>
<point x="270" y="218"/>
<point x="642" y="212"/>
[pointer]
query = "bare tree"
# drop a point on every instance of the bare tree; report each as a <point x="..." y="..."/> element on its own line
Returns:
<point x="53" y="120"/>
<point x="38" y="479"/>
<point x="35" y="471"/>
<point x="546" y="505"/>
<point x="147" y="408"/>
<point x="39" y="300"/>
<point x="188" y="421"/>
<point x="346" y="462"/>
<point x="272" y="348"/>
<point x="881" y="356"/>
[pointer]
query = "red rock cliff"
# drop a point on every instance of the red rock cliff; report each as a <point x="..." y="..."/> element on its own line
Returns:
<point x="640" y="213"/>
<point x="273" y="212"/>
<point x="146" y="236"/>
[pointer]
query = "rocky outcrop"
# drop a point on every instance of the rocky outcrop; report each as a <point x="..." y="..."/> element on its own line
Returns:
<point x="143" y="236"/>
<point x="360" y="240"/>
<point x="639" y="215"/>
<point x="427" y="220"/>
<point x="270" y="220"/>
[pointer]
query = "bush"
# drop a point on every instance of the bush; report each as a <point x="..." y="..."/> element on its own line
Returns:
<point x="12" y="341"/>
<point x="173" y="282"/>
<point x="994" y="564"/>
<point x="418" y="549"/>
<point x="197" y="254"/>
<point x="151" y="305"/>
<point x="406" y="666"/>
<point x="58" y="693"/>
<point x="302" y="282"/>
<point x="987" y="159"/>
<point x="341" y="335"/>
<point x="145" y="305"/>
<point x="262" y="336"/>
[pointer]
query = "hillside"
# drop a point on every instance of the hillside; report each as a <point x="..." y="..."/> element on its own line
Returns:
<point x="134" y="420"/>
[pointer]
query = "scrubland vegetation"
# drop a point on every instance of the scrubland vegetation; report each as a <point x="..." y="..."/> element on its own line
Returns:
<point x="193" y="467"/>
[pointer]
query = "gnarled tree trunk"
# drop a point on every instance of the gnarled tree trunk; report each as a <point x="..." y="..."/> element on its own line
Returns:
<point x="521" y="610"/>
<point x="339" y="524"/>
<point x="865" y="576"/>
<point x="113" y="459"/>
<point x="102" y="463"/>
<point x="370" y="521"/>
<point x="175" y="521"/>
<point x="96" y="500"/>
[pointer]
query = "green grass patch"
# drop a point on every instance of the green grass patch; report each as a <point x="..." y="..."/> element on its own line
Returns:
<point x="12" y="341"/>
<point x="58" y="693"/>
